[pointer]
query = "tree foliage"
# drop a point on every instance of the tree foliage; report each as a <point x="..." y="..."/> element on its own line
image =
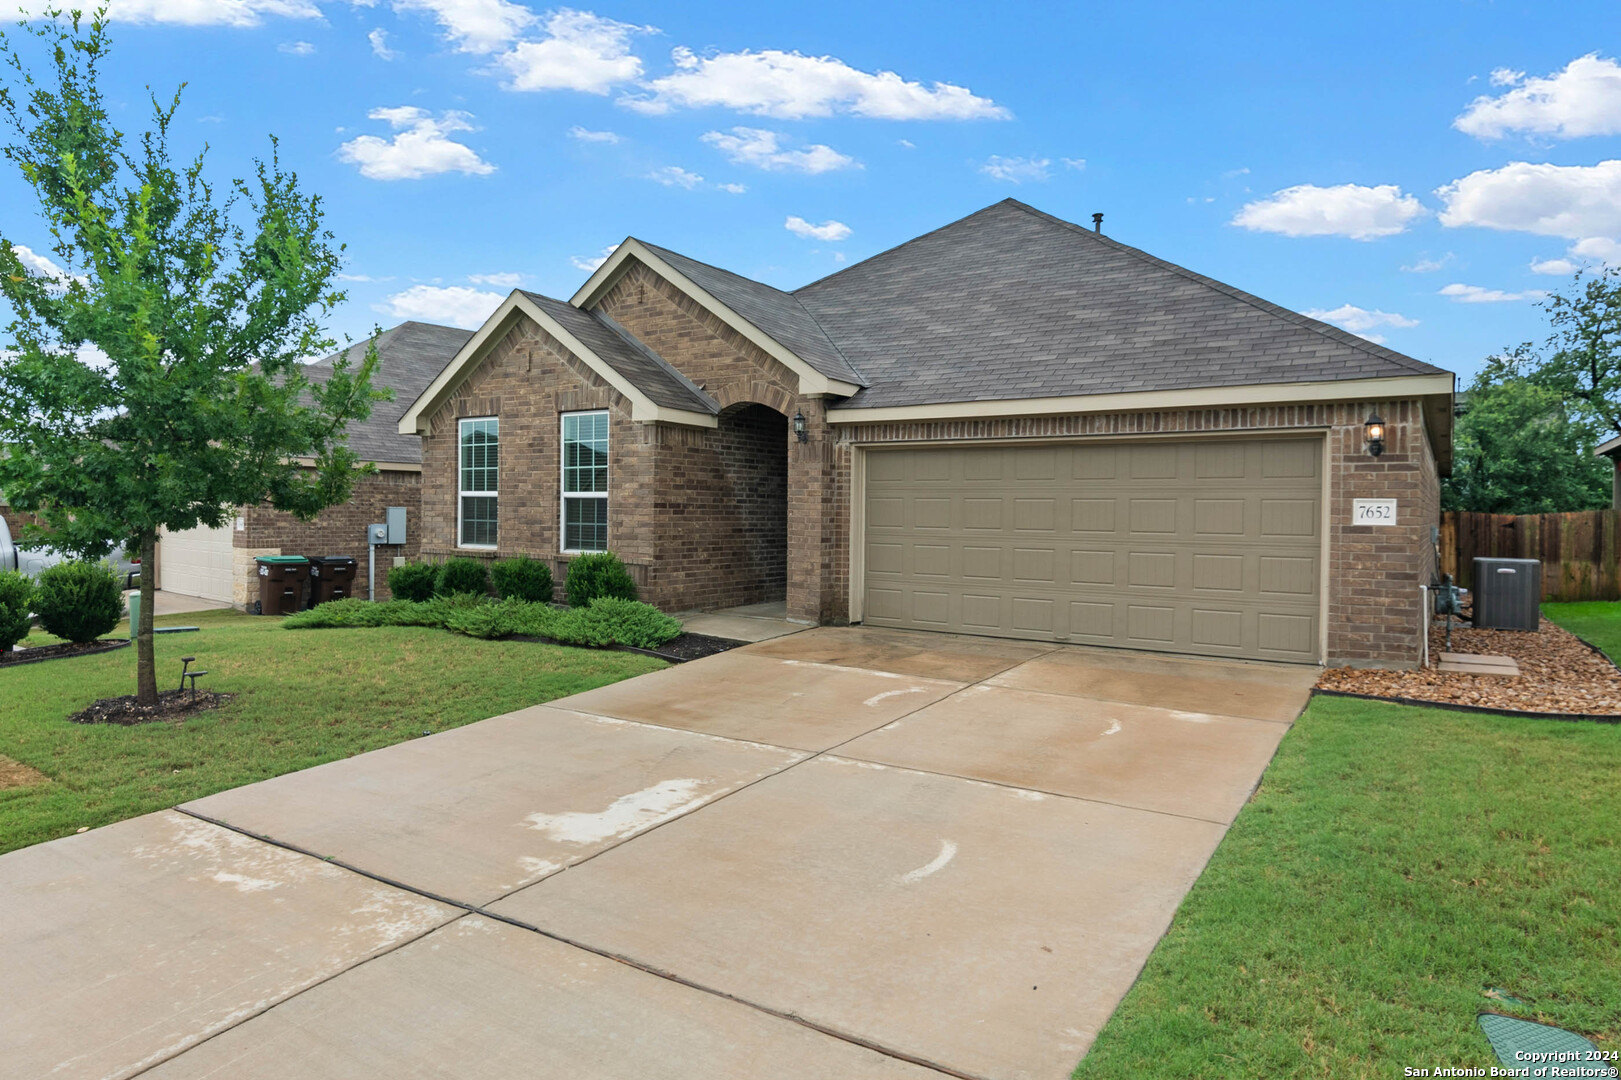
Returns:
<point x="1520" y="448"/>
<point x="151" y="377"/>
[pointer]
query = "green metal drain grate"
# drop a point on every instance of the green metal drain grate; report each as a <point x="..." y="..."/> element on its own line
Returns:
<point x="1511" y="1037"/>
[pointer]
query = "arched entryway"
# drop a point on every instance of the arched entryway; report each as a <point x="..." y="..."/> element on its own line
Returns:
<point x="750" y="537"/>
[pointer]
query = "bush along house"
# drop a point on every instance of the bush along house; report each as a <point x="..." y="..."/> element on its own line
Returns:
<point x="1011" y="426"/>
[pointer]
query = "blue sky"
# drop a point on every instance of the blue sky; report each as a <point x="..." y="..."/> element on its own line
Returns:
<point x="1420" y="172"/>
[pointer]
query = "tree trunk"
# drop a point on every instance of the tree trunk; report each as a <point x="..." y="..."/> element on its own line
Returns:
<point x="146" y="672"/>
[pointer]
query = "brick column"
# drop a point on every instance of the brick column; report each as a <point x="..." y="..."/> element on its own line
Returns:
<point x="812" y="582"/>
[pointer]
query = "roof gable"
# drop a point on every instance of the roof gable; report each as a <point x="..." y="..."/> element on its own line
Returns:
<point x="411" y="354"/>
<point x="773" y="320"/>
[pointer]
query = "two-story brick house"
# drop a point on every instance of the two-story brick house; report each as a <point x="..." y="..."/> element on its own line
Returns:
<point x="1011" y="426"/>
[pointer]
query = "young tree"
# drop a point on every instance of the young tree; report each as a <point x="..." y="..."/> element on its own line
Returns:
<point x="152" y="380"/>
<point x="1520" y="448"/>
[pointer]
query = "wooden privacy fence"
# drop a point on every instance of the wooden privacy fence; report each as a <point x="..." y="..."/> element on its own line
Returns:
<point x="1578" y="551"/>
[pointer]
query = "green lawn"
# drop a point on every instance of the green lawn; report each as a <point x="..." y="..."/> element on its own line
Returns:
<point x="1395" y="864"/>
<point x="304" y="697"/>
<point x="1597" y="622"/>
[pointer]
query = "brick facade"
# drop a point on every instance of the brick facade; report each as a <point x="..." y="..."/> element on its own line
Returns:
<point x="337" y="530"/>
<point x="714" y="517"/>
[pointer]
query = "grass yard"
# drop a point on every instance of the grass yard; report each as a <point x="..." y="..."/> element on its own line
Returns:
<point x="1395" y="865"/>
<point x="304" y="698"/>
<point x="1597" y="622"/>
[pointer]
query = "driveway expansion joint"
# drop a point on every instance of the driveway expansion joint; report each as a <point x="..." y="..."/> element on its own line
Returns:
<point x="474" y="909"/>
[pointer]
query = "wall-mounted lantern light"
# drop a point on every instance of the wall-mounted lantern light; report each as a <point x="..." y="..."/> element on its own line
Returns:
<point x="799" y="426"/>
<point x="1374" y="429"/>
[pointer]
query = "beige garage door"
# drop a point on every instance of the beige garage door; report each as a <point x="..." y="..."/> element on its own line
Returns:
<point x="1206" y="547"/>
<point x="197" y="562"/>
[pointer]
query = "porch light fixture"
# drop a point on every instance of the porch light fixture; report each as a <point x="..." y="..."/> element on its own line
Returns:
<point x="799" y="426"/>
<point x="1374" y="429"/>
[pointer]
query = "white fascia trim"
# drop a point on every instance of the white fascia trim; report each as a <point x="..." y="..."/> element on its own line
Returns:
<point x="1401" y="386"/>
<point x="1607" y="448"/>
<point x="811" y="381"/>
<point x="642" y="408"/>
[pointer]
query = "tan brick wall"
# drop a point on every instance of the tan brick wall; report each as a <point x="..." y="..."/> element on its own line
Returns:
<point x="1374" y="573"/>
<point x="337" y="530"/>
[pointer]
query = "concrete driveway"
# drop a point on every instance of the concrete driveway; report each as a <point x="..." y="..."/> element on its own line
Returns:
<point x="841" y="853"/>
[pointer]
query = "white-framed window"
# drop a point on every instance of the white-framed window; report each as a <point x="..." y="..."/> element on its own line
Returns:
<point x="585" y="482"/>
<point x="478" y="492"/>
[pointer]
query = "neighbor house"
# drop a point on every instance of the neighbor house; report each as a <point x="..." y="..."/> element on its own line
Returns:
<point x="218" y="564"/>
<point x="1010" y="426"/>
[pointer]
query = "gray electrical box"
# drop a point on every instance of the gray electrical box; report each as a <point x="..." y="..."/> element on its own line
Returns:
<point x="395" y="516"/>
<point x="1508" y="594"/>
<point x="376" y="534"/>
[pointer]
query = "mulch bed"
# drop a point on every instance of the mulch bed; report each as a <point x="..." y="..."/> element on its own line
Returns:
<point x="693" y="647"/>
<point x="172" y="705"/>
<point x="1559" y="674"/>
<point x="677" y="650"/>
<point x="58" y="652"/>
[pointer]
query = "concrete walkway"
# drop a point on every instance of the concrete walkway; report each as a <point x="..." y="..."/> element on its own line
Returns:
<point x="171" y="603"/>
<point x="752" y="622"/>
<point x="840" y="853"/>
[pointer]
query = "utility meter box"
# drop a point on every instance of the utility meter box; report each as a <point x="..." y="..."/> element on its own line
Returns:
<point x="395" y="517"/>
<point x="376" y="534"/>
<point x="1508" y="594"/>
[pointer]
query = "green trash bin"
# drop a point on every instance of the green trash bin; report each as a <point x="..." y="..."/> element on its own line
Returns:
<point x="281" y="583"/>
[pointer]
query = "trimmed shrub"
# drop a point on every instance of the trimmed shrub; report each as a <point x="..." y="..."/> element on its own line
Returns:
<point x="629" y="622"/>
<point x="79" y="600"/>
<point x="593" y="576"/>
<point x="522" y="578"/>
<point x="16" y="600"/>
<point x="413" y="581"/>
<point x="462" y="576"/>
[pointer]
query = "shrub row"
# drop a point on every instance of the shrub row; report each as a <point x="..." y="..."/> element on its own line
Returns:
<point x="77" y="601"/>
<point x="517" y="578"/>
<point x="604" y="621"/>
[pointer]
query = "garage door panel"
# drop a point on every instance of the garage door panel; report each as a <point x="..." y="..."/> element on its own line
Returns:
<point x="198" y="562"/>
<point x="1205" y="547"/>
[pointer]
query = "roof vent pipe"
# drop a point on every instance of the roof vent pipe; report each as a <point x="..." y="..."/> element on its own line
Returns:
<point x="1097" y="223"/>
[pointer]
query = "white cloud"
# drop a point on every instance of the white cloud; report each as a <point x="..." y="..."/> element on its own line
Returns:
<point x="475" y="26"/>
<point x="830" y="231"/>
<point x="296" y="48"/>
<point x="1360" y="321"/>
<point x="1426" y="265"/>
<point x="1601" y="248"/>
<point x="37" y="263"/>
<point x="420" y="149"/>
<point x="676" y="176"/>
<point x="454" y="305"/>
<point x="587" y="135"/>
<point x="363" y="277"/>
<point x="1362" y="213"/>
<point x="792" y="86"/>
<point x="238" y="13"/>
<point x="1076" y="163"/>
<point x="734" y="189"/>
<point x="1583" y="99"/>
<point x="1553" y="266"/>
<point x="582" y="52"/>
<point x="1015" y="170"/>
<point x="502" y="281"/>
<point x="590" y="263"/>
<point x="1573" y="201"/>
<point x="1474" y="294"/>
<point x="753" y="146"/>
<point x="379" y="44"/>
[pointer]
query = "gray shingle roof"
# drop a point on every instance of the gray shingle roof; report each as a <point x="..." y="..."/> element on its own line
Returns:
<point x="1011" y="303"/>
<point x="412" y="353"/>
<point x="636" y="362"/>
<point x="773" y="311"/>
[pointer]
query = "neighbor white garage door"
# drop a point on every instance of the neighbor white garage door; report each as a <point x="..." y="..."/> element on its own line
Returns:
<point x="197" y="562"/>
